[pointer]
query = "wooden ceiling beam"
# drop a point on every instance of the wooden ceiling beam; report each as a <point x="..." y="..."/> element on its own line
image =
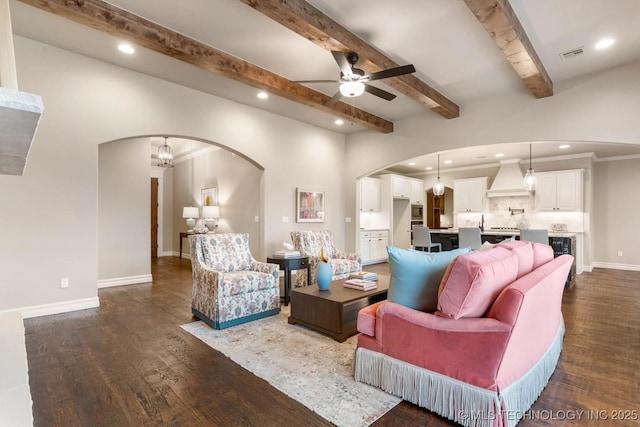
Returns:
<point x="304" y="19"/>
<point x="501" y="22"/>
<point x="109" y="19"/>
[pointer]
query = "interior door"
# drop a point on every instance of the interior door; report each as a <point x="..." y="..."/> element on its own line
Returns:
<point x="154" y="217"/>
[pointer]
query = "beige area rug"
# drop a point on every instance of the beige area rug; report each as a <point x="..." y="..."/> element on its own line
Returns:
<point x="307" y="366"/>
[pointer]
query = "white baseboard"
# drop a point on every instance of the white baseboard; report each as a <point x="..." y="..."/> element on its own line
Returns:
<point x="615" y="266"/>
<point x="56" y="307"/>
<point x="177" y="254"/>
<point x="165" y="253"/>
<point x="120" y="281"/>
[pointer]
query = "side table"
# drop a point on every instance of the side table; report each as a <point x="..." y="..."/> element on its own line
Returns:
<point x="288" y="265"/>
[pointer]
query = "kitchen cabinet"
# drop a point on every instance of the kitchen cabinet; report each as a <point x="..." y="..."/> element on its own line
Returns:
<point x="559" y="191"/>
<point x="373" y="246"/>
<point x="400" y="187"/>
<point x="417" y="192"/>
<point x="370" y="194"/>
<point x="469" y="194"/>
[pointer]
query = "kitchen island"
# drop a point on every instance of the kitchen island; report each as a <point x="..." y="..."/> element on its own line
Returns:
<point x="562" y="242"/>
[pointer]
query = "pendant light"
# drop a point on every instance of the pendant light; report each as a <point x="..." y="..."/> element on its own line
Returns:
<point x="530" y="179"/>
<point x="438" y="187"/>
<point x="165" y="155"/>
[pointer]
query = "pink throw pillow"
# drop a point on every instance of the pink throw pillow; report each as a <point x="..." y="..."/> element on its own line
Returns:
<point x="542" y="254"/>
<point x="524" y="252"/>
<point x="473" y="281"/>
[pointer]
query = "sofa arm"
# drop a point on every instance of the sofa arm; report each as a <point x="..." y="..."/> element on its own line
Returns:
<point x="204" y="294"/>
<point x="367" y="319"/>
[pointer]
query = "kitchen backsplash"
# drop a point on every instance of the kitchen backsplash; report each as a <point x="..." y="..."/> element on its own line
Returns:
<point x="499" y="215"/>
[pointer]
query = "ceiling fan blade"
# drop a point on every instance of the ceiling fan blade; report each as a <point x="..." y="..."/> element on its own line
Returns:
<point x="391" y="72"/>
<point x="379" y="92"/>
<point x="335" y="98"/>
<point x="315" y="81"/>
<point x="341" y="59"/>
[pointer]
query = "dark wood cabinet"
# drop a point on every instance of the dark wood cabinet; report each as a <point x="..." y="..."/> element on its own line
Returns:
<point x="560" y="245"/>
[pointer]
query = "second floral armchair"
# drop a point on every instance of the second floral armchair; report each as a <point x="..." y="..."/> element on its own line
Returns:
<point x="309" y="243"/>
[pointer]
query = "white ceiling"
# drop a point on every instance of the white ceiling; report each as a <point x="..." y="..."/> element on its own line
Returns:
<point x="448" y="46"/>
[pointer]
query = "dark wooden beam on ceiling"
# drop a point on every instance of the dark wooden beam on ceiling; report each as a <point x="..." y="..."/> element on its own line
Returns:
<point x="501" y="22"/>
<point x="304" y="19"/>
<point x="107" y="18"/>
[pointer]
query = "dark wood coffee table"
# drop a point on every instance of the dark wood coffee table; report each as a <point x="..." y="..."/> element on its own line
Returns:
<point x="333" y="312"/>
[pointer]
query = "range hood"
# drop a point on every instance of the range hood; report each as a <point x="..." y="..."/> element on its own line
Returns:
<point x="508" y="181"/>
<point x="19" y="117"/>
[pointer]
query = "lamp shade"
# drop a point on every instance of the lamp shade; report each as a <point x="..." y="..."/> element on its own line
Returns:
<point x="351" y="89"/>
<point x="190" y="212"/>
<point x="211" y="212"/>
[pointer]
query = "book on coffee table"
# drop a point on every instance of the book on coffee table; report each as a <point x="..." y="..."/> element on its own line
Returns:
<point x="361" y="284"/>
<point x="364" y="275"/>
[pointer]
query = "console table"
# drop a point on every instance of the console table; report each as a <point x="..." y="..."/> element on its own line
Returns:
<point x="183" y="235"/>
<point x="288" y="265"/>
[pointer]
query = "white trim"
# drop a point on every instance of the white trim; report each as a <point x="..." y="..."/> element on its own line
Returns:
<point x="615" y="266"/>
<point x="56" y="307"/>
<point x="120" y="281"/>
<point x="166" y="253"/>
<point x="184" y="255"/>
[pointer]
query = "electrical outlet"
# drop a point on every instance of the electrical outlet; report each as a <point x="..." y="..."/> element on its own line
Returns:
<point x="256" y="218"/>
<point x="347" y="219"/>
<point x="285" y="219"/>
<point x="619" y="253"/>
<point x="64" y="282"/>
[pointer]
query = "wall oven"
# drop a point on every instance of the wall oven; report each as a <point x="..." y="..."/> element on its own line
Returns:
<point x="416" y="213"/>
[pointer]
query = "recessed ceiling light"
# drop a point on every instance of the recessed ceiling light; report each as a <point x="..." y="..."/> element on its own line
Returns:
<point x="412" y="163"/>
<point x="604" y="43"/>
<point x="339" y="122"/>
<point x="263" y="95"/>
<point x="126" y="48"/>
<point x="564" y="146"/>
<point x="448" y="162"/>
<point x="500" y="155"/>
<point x="429" y="168"/>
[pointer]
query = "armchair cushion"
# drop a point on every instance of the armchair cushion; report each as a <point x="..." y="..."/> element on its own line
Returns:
<point x="473" y="281"/>
<point x="416" y="276"/>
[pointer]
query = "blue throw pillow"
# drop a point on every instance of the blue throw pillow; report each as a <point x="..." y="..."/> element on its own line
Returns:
<point x="416" y="276"/>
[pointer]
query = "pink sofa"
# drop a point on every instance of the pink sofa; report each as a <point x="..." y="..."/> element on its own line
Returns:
<point x="486" y="354"/>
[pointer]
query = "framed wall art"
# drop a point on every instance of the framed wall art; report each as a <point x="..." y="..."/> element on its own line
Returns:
<point x="209" y="196"/>
<point x="309" y="205"/>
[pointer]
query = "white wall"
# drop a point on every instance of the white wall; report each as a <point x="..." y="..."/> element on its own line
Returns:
<point x="616" y="207"/>
<point x="238" y="182"/>
<point x="124" y="223"/>
<point x="88" y="103"/>
<point x="600" y="108"/>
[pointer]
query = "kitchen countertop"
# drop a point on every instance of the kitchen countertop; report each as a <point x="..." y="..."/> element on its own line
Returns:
<point x="507" y="232"/>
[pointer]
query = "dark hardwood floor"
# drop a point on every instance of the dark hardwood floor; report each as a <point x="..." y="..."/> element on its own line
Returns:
<point x="128" y="363"/>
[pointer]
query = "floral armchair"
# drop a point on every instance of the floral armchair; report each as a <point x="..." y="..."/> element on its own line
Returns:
<point x="229" y="286"/>
<point x="309" y="243"/>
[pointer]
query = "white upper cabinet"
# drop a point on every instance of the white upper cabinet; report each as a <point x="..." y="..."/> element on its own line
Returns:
<point x="559" y="191"/>
<point x="469" y="194"/>
<point x="370" y="194"/>
<point x="401" y="187"/>
<point x="417" y="192"/>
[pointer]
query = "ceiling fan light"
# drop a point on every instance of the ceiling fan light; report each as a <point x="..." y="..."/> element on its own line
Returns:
<point x="352" y="89"/>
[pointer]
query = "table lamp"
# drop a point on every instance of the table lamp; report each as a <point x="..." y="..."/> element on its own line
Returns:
<point x="210" y="215"/>
<point x="190" y="213"/>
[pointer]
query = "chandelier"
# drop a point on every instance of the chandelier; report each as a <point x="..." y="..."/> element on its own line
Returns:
<point x="165" y="155"/>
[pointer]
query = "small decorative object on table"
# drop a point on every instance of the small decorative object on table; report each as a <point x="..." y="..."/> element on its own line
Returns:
<point x="324" y="273"/>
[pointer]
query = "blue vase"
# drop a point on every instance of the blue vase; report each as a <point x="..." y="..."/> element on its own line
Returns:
<point x="323" y="275"/>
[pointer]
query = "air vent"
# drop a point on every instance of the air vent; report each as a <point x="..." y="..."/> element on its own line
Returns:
<point x="572" y="53"/>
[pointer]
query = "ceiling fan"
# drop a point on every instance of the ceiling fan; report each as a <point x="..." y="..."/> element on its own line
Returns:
<point x="353" y="81"/>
